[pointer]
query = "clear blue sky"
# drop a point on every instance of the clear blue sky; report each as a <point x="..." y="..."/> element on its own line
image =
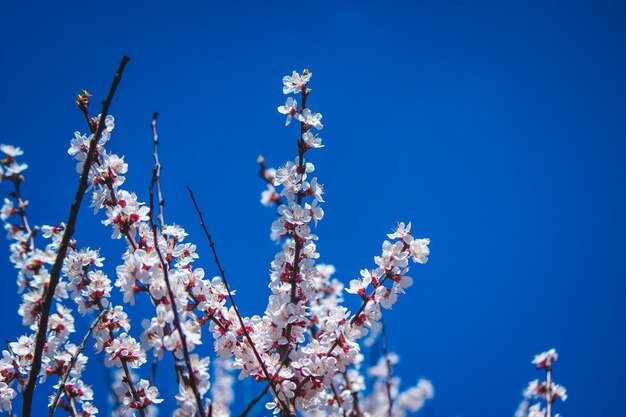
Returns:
<point x="496" y="127"/>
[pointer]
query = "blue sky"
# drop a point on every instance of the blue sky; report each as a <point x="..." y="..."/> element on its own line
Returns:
<point x="496" y="127"/>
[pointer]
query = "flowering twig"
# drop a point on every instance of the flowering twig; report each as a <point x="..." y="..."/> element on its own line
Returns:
<point x="298" y="243"/>
<point x="21" y="204"/>
<point x="547" y="390"/>
<point x="268" y="176"/>
<point x="73" y="362"/>
<point x="67" y="235"/>
<point x="191" y="377"/>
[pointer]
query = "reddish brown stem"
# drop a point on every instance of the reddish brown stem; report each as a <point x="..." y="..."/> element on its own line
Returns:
<point x="298" y="243"/>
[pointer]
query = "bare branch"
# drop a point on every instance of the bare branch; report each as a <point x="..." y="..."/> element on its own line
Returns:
<point x="157" y="167"/>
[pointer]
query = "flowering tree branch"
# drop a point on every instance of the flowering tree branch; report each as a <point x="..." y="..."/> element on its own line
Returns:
<point x="21" y="209"/>
<point x="69" y="231"/>
<point x="547" y="390"/>
<point x="191" y="379"/>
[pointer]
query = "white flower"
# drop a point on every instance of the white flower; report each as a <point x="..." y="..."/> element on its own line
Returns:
<point x="15" y="169"/>
<point x="296" y="82"/>
<point x="536" y="411"/>
<point x="124" y="347"/>
<point x="558" y="391"/>
<point x="545" y="359"/>
<point x="290" y="108"/>
<point x="11" y="150"/>
<point x="359" y="286"/>
<point x="6" y="396"/>
<point x="175" y="231"/>
<point x="8" y="209"/>
<point x="311" y="140"/>
<point x="148" y="394"/>
<point x="269" y="196"/>
<point x="401" y="231"/>
<point x="310" y="119"/>
<point x="419" y="251"/>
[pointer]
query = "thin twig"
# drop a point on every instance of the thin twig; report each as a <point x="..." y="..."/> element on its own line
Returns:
<point x="383" y="343"/>
<point x="129" y="381"/>
<point x="262" y="169"/>
<point x="73" y="362"/>
<point x="55" y="273"/>
<point x="230" y="294"/>
<point x="157" y="167"/>
<point x="191" y="376"/>
<point x="21" y="204"/>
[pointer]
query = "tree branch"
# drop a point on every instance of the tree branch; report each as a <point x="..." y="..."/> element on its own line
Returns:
<point x="67" y="235"/>
<point x="190" y="373"/>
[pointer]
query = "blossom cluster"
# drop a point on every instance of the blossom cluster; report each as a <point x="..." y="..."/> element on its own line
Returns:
<point x="158" y="265"/>
<point x="306" y="335"/>
<point x="546" y="392"/>
<point x="61" y="357"/>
